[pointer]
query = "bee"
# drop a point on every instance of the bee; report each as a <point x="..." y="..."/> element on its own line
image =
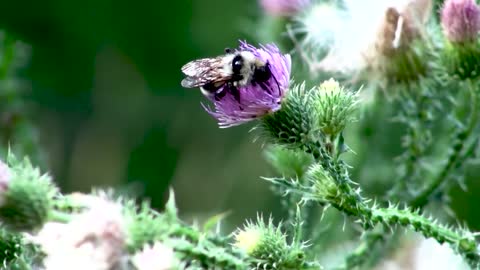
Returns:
<point x="219" y="75"/>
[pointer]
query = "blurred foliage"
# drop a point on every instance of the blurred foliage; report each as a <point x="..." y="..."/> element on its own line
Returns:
<point x="104" y="91"/>
<point x="102" y="87"/>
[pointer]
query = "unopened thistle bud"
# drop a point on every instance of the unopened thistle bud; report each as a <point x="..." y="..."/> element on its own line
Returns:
<point x="268" y="246"/>
<point x="325" y="187"/>
<point x="26" y="196"/>
<point x="461" y="20"/>
<point x="334" y="107"/>
<point x="283" y="7"/>
<point x="288" y="162"/>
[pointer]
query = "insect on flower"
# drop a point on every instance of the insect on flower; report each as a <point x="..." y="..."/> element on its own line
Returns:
<point x="243" y="85"/>
<point x="218" y="75"/>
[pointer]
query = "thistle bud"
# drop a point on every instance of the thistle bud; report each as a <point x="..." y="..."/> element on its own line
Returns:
<point x="461" y="20"/>
<point x="26" y="196"/>
<point x="288" y="162"/>
<point x="11" y="247"/>
<point x="323" y="183"/>
<point x="334" y="107"/>
<point x="249" y="239"/>
<point x="268" y="246"/>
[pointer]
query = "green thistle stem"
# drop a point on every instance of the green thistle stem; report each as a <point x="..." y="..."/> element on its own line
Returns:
<point x="456" y="157"/>
<point x="417" y="114"/>
<point x="462" y="241"/>
<point x="361" y="253"/>
<point x="58" y="216"/>
<point x="459" y="145"/>
<point x="349" y="201"/>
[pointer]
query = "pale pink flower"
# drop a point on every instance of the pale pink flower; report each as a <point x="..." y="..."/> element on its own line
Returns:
<point x="5" y="177"/>
<point x="156" y="257"/>
<point x="283" y="7"/>
<point x="461" y="20"/>
<point x="94" y="240"/>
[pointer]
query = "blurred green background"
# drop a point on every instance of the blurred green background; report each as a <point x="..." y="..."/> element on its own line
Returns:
<point x="104" y="88"/>
<point x="103" y="85"/>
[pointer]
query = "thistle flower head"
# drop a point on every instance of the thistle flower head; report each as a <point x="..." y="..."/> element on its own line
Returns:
<point x="248" y="239"/>
<point x="156" y="257"/>
<point x="256" y="99"/>
<point x="94" y="239"/>
<point x="461" y="20"/>
<point x="283" y="7"/>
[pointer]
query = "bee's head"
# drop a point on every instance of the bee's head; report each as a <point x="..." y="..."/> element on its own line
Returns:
<point x="244" y="62"/>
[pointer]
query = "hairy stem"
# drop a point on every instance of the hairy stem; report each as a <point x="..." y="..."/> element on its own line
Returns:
<point x="417" y="112"/>
<point x="360" y="254"/>
<point x="369" y="216"/>
<point x="461" y="150"/>
<point x="349" y="201"/>
<point x="458" y="147"/>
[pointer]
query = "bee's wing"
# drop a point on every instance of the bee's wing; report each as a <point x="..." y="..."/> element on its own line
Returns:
<point x="203" y="71"/>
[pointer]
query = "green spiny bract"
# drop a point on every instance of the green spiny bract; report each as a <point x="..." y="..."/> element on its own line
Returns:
<point x="11" y="246"/>
<point x="268" y="247"/>
<point x="292" y="124"/>
<point x="288" y="162"/>
<point x="195" y="248"/>
<point x="309" y="119"/>
<point x="461" y="60"/>
<point x="28" y="199"/>
<point x="323" y="183"/>
<point x="403" y="66"/>
<point x="333" y="107"/>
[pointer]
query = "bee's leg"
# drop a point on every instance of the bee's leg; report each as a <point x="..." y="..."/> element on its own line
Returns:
<point x="262" y="75"/>
<point x="236" y="78"/>
<point x="219" y="95"/>
<point x="265" y="87"/>
<point x="210" y="90"/>
<point x="235" y="93"/>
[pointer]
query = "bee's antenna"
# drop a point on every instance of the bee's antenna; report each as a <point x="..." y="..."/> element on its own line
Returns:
<point x="228" y="50"/>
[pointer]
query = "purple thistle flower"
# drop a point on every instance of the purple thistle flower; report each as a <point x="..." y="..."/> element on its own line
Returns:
<point x="461" y="20"/>
<point x="283" y="7"/>
<point x="256" y="99"/>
